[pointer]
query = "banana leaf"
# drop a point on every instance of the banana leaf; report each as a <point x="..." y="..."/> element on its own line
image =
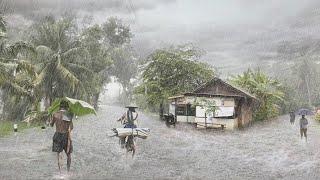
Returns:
<point x="77" y="107"/>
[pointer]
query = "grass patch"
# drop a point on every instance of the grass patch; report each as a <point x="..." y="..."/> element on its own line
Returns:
<point x="6" y="127"/>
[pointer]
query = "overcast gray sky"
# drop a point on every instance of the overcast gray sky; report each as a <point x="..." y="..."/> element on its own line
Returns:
<point x="232" y="32"/>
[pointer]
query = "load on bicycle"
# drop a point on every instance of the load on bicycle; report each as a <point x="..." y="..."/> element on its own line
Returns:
<point x="130" y="130"/>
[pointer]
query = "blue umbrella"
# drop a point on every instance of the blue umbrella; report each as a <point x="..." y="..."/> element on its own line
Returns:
<point x="304" y="111"/>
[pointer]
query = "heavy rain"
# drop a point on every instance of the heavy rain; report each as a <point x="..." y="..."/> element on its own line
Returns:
<point x="159" y="89"/>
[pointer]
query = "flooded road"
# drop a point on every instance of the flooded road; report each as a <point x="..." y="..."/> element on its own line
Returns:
<point x="269" y="150"/>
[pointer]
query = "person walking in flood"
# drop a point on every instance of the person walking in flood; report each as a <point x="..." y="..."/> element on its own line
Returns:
<point x="292" y="117"/>
<point x="62" y="138"/>
<point x="128" y="120"/>
<point x="303" y="126"/>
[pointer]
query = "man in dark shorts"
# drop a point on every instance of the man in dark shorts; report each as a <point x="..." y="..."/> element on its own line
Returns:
<point x="61" y="139"/>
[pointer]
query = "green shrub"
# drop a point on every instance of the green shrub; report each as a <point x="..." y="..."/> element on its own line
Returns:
<point x="317" y="117"/>
<point x="6" y="127"/>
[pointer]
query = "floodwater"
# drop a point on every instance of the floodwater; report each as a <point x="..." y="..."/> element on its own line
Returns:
<point x="268" y="150"/>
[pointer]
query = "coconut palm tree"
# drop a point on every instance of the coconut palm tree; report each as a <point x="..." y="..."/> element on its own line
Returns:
<point x="16" y="75"/>
<point x="60" y="59"/>
<point x="11" y="64"/>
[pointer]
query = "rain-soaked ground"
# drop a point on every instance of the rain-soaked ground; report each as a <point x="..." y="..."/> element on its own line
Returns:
<point x="269" y="150"/>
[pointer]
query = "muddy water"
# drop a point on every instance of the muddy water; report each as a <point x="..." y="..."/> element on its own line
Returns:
<point x="269" y="150"/>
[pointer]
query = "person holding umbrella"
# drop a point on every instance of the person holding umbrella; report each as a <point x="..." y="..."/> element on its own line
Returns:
<point x="62" y="111"/>
<point x="303" y="126"/>
<point x="61" y="139"/>
<point x="304" y="121"/>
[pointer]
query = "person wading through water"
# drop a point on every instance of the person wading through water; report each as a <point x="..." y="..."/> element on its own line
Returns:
<point x="303" y="126"/>
<point x="62" y="136"/>
<point x="128" y="119"/>
<point x="292" y="117"/>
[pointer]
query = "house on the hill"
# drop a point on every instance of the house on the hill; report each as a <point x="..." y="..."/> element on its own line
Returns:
<point x="234" y="107"/>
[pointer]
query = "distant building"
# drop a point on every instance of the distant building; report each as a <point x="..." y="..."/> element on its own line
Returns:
<point x="234" y="107"/>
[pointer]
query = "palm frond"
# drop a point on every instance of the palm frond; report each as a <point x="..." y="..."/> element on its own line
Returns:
<point x="73" y="53"/>
<point x="27" y="67"/>
<point x="44" y="50"/>
<point x="24" y="81"/>
<point x="41" y="77"/>
<point x="15" y="89"/>
<point x="66" y="75"/>
<point x="80" y="69"/>
<point x="5" y="60"/>
<point x="13" y="49"/>
<point x="8" y="67"/>
<point x="2" y="34"/>
<point x="3" y="24"/>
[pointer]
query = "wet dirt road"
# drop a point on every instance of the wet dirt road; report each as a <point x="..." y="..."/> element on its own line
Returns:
<point x="268" y="150"/>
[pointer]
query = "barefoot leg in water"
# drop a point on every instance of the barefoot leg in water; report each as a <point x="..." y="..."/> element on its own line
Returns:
<point x="133" y="150"/>
<point x="130" y="145"/>
<point x="59" y="163"/>
<point x="68" y="161"/>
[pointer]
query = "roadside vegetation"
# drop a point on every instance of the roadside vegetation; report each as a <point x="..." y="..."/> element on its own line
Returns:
<point x="268" y="91"/>
<point x="57" y="58"/>
<point x="169" y="72"/>
<point x="6" y="127"/>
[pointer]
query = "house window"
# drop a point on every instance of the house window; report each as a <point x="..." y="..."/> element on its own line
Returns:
<point x="191" y="111"/>
<point x="225" y="112"/>
<point x="181" y="110"/>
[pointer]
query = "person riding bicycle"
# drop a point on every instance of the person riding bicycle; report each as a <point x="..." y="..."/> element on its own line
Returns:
<point x="129" y="120"/>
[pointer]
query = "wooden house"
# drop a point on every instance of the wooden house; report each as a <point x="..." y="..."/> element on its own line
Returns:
<point x="233" y="106"/>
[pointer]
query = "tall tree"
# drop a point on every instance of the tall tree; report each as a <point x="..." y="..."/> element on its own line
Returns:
<point x="117" y="33"/>
<point x="16" y="76"/>
<point x="100" y="60"/>
<point x="118" y="37"/>
<point x="60" y="58"/>
<point x="308" y="83"/>
<point x="124" y="69"/>
<point x="172" y="71"/>
<point x="267" y="90"/>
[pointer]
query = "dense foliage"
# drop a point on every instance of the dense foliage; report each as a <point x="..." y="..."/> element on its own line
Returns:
<point x="299" y="71"/>
<point x="305" y="80"/>
<point x="16" y="75"/>
<point x="60" y="59"/>
<point x="171" y="72"/>
<point x="269" y="92"/>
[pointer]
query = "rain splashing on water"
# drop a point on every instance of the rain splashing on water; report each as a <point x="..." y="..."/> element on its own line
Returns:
<point x="268" y="150"/>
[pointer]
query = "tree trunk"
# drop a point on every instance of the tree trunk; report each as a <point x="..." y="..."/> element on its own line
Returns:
<point x="48" y="97"/>
<point x="124" y="99"/>
<point x="47" y="102"/>
<point x="306" y="78"/>
<point x="1" y="104"/>
<point x="96" y="100"/>
<point x="161" y="108"/>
